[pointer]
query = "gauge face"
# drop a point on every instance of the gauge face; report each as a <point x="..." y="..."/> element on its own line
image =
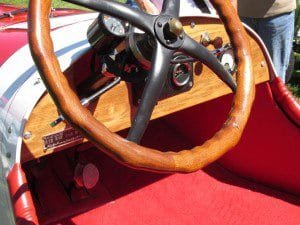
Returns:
<point x="181" y="75"/>
<point x="114" y="25"/>
<point x="227" y="60"/>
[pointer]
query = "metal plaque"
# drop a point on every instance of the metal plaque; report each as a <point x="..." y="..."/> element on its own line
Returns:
<point x="61" y="138"/>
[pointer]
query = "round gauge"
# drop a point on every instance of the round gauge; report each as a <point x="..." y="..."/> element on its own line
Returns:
<point x="181" y="75"/>
<point x="106" y="33"/>
<point x="114" y="25"/>
<point x="227" y="60"/>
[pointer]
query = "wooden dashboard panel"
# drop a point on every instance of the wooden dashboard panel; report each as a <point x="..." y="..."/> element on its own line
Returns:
<point x="114" y="107"/>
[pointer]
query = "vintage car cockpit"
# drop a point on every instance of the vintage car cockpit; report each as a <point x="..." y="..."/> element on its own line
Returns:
<point x="122" y="108"/>
<point x="119" y="65"/>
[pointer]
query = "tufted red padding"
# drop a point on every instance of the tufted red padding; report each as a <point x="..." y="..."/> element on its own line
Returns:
<point x="286" y="100"/>
<point x="22" y="202"/>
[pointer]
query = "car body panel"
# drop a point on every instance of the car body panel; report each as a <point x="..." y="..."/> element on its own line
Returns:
<point x="22" y="87"/>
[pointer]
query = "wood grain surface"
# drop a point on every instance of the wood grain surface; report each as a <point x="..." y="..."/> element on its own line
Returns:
<point x="123" y="151"/>
<point x="114" y="110"/>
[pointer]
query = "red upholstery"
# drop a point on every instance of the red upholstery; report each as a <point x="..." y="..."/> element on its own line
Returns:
<point x="268" y="151"/>
<point x="21" y="197"/>
<point x="212" y="196"/>
<point x="286" y="100"/>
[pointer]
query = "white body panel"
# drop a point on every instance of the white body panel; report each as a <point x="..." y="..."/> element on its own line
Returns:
<point x="21" y="86"/>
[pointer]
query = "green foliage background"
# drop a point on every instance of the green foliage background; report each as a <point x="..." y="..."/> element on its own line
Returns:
<point x="55" y="3"/>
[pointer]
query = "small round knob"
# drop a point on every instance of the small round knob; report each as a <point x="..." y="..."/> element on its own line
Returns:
<point x="175" y="27"/>
<point x="217" y="42"/>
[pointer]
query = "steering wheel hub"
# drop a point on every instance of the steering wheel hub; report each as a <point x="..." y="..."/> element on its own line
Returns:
<point x="175" y="27"/>
<point x="168" y="37"/>
<point x="169" y="31"/>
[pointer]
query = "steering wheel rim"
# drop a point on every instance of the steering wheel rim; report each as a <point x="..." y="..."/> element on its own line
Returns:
<point x="122" y="150"/>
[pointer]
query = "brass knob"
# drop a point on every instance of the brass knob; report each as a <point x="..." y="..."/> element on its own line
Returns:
<point x="175" y="27"/>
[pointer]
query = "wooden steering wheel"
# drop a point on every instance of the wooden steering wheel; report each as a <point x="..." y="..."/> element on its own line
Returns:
<point x="169" y="37"/>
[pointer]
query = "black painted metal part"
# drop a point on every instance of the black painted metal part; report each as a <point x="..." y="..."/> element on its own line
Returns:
<point x="167" y="40"/>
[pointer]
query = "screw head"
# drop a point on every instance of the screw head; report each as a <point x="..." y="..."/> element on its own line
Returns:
<point x="8" y="155"/>
<point x="37" y="81"/>
<point x="27" y="135"/>
<point x="9" y="129"/>
<point x="193" y="24"/>
<point x="159" y="24"/>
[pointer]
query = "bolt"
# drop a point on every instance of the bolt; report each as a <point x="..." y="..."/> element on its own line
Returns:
<point x="193" y="24"/>
<point x="27" y="135"/>
<point x="159" y="24"/>
<point x="8" y="155"/>
<point x="262" y="64"/>
<point x="168" y="42"/>
<point x="37" y="81"/>
<point x="181" y="36"/>
<point x="9" y="129"/>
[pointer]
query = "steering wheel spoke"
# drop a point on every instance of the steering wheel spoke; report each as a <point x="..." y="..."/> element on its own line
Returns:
<point x="171" y="7"/>
<point x="134" y="16"/>
<point x="124" y="151"/>
<point x="161" y="58"/>
<point x="199" y="52"/>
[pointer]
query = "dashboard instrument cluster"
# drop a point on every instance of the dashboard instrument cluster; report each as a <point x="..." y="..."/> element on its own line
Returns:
<point x="121" y="60"/>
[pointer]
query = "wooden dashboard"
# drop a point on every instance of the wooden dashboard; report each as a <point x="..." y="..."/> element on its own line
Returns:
<point x="114" y="108"/>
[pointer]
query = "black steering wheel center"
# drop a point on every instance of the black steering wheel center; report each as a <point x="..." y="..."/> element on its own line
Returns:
<point x="169" y="31"/>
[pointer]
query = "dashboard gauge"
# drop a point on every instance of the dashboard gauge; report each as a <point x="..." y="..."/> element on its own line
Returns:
<point x="227" y="60"/>
<point x="181" y="74"/>
<point x="106" y="32"/>
<point x="113" y="25"/>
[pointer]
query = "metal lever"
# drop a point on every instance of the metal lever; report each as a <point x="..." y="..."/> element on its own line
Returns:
<point x="86" y="101"/>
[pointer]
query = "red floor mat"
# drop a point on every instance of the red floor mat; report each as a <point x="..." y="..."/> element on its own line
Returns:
<point x="125" y="196"/>
<point x="213" y="196"/>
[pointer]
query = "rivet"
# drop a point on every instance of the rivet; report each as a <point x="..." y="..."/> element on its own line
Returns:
<point x="8" y="155"/>
<point x="27" y="135"/>
<point x="181" y="36"/>
<point x="159" y="24"/>
<point x="37" y="81"/>
<point x="191" y="84"/>
<point x="263" y="64"/>
<point x="9" y="129"/>
<point x="192" y="25"/>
